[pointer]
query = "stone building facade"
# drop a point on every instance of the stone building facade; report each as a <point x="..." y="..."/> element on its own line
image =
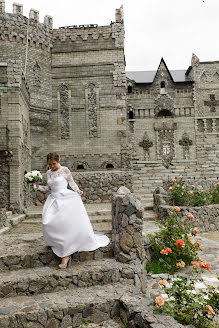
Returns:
<point x="66" y="90"/>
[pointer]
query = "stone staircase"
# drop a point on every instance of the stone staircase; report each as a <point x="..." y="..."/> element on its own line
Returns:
<point x="35" y="293"/>
<point x="95" y="291"/>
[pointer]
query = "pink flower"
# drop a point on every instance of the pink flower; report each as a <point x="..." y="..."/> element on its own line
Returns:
<point x="173" y="180"/>
<point x="209" y="310"/>
<point x="166" y="251"/>
<point x="162" y="282"/>
<point x="191" y="192"/>
<point x="178" y="185"/>
<point x="194" y="263"/>
<point x="159" y="301"/>
<point x="177" y="208"/>
<point x="181" y="176"/>
<point x="171" y="188"/>
<point x="196" y="230"/>
<point x="180" y="264"/>
<point x="183" y="187"/>
<point x="190" y="216"/>
<point x="180" y="243"/>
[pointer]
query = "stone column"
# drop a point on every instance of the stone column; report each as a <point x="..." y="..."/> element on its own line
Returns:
<point x="127" y="239"/>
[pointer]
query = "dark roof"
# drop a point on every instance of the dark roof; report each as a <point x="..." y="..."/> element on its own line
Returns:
<point x="148" y="76"/>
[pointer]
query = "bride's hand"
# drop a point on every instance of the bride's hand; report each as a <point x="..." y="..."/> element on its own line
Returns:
<point x="80" y="192"/>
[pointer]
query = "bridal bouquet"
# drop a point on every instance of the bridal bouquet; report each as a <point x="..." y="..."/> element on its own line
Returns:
<point x="33" y="177"/>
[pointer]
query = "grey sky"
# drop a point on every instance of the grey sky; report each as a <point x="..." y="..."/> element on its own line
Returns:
<point x="172" y="29"/>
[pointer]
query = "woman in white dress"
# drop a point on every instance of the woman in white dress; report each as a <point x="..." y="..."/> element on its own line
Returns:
<point x="66" y="225"/>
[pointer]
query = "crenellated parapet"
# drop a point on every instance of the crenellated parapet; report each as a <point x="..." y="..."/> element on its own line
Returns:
<point x="13" y="27"/>
<point x="80" y="33"/>
<point x="92" y="32"/>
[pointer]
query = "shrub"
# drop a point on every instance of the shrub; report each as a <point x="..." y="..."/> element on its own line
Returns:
<point x="188" y="306"/>
<point x="183" y="194"/>
<point x="172" y="244"/>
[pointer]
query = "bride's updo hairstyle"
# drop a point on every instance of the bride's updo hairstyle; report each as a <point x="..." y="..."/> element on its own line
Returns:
<point x="53" y="157"/>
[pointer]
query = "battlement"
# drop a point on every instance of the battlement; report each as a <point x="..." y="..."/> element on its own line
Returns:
<point x="17" y="9"/>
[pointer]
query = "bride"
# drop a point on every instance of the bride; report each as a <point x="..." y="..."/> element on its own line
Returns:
<point x="66" y="225"/>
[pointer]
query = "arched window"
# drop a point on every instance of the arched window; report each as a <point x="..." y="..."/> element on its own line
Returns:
<point x="164" y="113"/>
<point x="129" y="89"/>
<point x="109" y="166"/>
<point x="80" y="167"/>
<point x="131" y="115"/>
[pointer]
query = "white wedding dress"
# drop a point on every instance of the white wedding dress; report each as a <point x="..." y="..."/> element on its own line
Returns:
<point x="66" y="225"/>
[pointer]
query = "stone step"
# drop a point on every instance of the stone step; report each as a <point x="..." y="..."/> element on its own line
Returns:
<point x="101" y="212"/>
<point x="23" y="251"/>
<point x="63" y="308"/>
<point x="94" y="219"/>
<point x="51" y="279"/>
<point x="148" y="215"/>
<point x="9" y="214"/>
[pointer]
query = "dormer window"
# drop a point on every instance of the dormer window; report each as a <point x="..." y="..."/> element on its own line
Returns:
<point x="162" y="88"/>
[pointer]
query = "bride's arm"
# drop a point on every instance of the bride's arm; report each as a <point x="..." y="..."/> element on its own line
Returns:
<point x="70" y="180"/>
<point x="43" y="188"/>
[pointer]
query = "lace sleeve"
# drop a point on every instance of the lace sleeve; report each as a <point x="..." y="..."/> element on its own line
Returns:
<point x="69" y="179"/>
<point x="44" y="188"/>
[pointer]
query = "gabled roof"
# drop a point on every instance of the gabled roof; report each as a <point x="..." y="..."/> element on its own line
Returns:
<point x="149" y="76"/>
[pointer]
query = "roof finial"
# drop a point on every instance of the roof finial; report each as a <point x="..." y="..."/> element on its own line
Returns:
<point x="195" y="60"/>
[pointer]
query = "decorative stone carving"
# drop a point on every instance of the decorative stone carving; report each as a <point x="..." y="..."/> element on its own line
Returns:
<point x="195" y="60"/>
<point x="64" y="111"/>
<point x="212" y="103"/>
<point x="166" y="145"/>
<point x="36" y="75"/>
<point x="146" y="144"/>
<point x="92" y="110"/>
<point x="163" y="102"/>
<point x="185" y="142"/>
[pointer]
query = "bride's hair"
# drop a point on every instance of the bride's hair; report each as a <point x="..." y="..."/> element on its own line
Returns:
<point x="53" y="156"/>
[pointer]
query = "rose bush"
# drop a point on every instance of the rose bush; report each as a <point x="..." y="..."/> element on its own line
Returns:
<point x="184" y="194"/>
<point x="172" y="247"/>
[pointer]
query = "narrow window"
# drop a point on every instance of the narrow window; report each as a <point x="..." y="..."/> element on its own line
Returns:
<point x="129" y="89"/>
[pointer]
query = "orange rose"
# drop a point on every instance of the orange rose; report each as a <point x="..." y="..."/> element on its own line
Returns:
<point x="156" y="216"/>
<point x="162" y="282"/>
<point x="209" y="310"/>
<point x="196" y="230"/>
<point x="199" y="245"/>
<point x="180" y="264"/>
<point x="194" y="263"/>
<point x="159" y="301"/>
<point x="180" y="243"/>
<point x="190" y="216"/>
<point x="166" y="251"/>
<point x="177" y="208"/>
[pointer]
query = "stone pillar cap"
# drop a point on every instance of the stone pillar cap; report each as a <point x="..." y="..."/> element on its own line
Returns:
<point x="123" y="191"/>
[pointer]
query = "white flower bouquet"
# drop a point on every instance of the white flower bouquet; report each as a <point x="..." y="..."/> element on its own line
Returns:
<point x="33" y="177"/>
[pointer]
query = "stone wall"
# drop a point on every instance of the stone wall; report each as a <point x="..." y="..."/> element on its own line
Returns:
<point x="206" y="217"/>
<point x="14" y="120"/>
<point x="98" y="187"/>
<point x="3" y="217"/>
<point x="127" y="239"/>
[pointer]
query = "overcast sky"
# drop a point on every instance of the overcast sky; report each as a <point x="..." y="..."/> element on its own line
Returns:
<point x="172" y="29"/>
